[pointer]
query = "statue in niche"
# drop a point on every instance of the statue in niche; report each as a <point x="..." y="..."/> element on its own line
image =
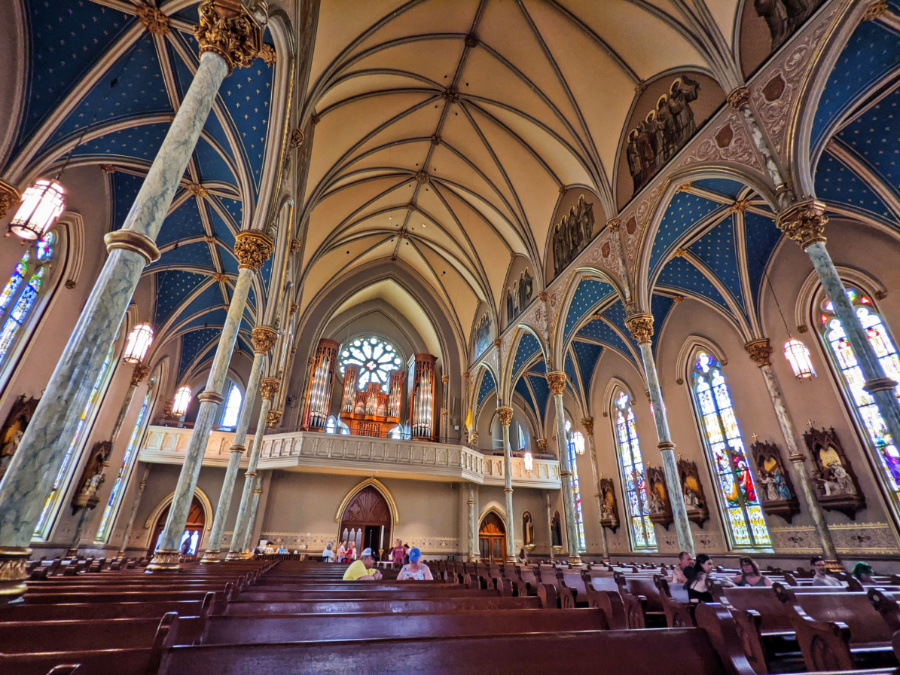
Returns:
<point x="518" y="295"/>
<point x="572" y="233"/>
<point x="528" y="529"/>
<point x="692" y="490"/>
<point x="482" y="334"/>
<point x="92" y="477"/>
<point x="776" y="489"/>
<point x="658" y="497"/>
<point x="838" y="488"/>
<point x="783" y="17"/>
<point x="14" y="428"/>
<point x="609" y="513"/>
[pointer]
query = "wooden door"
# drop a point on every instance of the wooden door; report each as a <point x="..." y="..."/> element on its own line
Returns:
<point x="492" y="539"/>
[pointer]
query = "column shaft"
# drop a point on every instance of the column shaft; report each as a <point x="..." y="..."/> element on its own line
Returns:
<point x="505" y="415"/>
<point x="166" y="557"/>
<point x="565" y="472"/>
<point x="588" y="423"/>
<point x="474" y="551"/>
<point x="667" y="450"/>
<point x="234" y="461"/>
<point x="549" y="521"/>
<point x="251" y="519"/>
<point x="126" y="535"/>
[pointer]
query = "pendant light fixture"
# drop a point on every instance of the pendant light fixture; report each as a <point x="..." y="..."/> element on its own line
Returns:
<point x="137" y="344"/>
<point x="796" y="353"/>
<point x="181" y="401"/>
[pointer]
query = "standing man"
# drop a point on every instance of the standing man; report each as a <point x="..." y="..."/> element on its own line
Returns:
<point x="363" y="569"/>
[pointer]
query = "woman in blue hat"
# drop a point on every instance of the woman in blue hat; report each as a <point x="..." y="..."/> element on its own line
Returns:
<point x="415" y="570"/>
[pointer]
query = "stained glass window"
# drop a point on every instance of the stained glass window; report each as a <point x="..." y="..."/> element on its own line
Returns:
<point x="574" y="443"/>
<point x="43" y="523"/>
<point x="18" y="296"/>
<point x="725" y="447"/>
<point x="376" y="359"/>
<point x="631" y="464"/>
<point x="844" y="360"/>
<point x="232" y="408"/>
<point x="115" y="496"/>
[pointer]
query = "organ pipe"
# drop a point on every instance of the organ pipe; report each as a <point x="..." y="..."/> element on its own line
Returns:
<point x="320" y="386"/>
<point x="422" y="379"/>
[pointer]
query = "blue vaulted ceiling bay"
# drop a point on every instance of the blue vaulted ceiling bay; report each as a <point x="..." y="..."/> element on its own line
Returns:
<point x="717" y="249"/>
<point x="602" y="333"/>
<point x="526" y="349"/>
<point x="125" y="114"/>
<point x="589" y="294"/>
<point x="522" y="390"/>
<point x="487" y="386"/>
<point x="684" y="211"/>
<point x="587" y="355"/>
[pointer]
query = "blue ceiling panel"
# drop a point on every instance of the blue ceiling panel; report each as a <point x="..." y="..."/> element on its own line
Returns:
<point x="487" y="386"/>
<point x="244" y="344"/>
<point x="182" y="223"/>
<point x="266" y="270"/>
<point x="721" y="186"/>
<point x="125" y="190"/>
<point x="212" y="166"/>
<point x="762" y="237"/>
<point x="616" y="313"/>
<point x="220" y="229"/>
<point x="229" y="262"/>
<point x="247" y="94"/>
<point x="210" y="297"/>
<point x="527" y="348"/>
<point x="588" y="295"/>
<point x="251" y="298"/>
<point x="660" y="306"/>
<point x="139" y="90"/>
<point x="523" y="391"/>
<point x="835" y="182"/>
<point x="717" y="250"/>
<point x="538" y="366"/>
<point x="215" y="319"/>
<point x="65" y="40"/>
<point x="541" y="393"/>
<point x="684" y="211"/>
<point x="173" y="286"/>
<point x="193" y="343"/>
<point x="602" y="332"/>
<point x="872" y="52"/>
<point x="192" y="255"/>
<point x="140" y="142"/>
<point x="235" y="208"/>
<point x="587" y="355"/>
<point x="680" y="275"/>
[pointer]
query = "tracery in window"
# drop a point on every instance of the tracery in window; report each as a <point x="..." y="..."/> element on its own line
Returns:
<point x="232" y="408"/>
<point x="746" y="524"/>
<point x="18" y="297"/>
<point x="575" y="447"/>
<point x="43" y="525"/>
<point x="375" y="357"/>
<point x="844" y="360"/>
<point x="631" y="464"/>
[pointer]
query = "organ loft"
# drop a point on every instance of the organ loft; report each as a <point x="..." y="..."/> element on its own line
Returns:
<point x="551" y="291"/>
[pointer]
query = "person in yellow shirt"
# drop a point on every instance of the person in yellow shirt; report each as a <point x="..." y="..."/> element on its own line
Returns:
<point x="363" y="569"/>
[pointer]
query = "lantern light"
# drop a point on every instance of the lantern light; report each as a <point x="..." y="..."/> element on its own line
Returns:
<point x="579" y="442"/>
<point x="42" y="204"/>
<point x="798" y="356"/>
<point x="137" y="344"/>
<point x="529" y="461"/>
<point x="181" y="401"/>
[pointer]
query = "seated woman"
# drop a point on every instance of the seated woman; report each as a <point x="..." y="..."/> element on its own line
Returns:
<point x="697" y="587"/>
<point x="415" y="570"/>
<point x="750" y="575"/>
<point x="863" y="573"/>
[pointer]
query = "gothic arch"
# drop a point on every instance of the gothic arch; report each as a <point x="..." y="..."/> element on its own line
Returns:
<point x="380" y="488"/>
<point x="201" y="497"/>
<point x="692" y="344"/>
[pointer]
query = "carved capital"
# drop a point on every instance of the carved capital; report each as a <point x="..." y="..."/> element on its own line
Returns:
<point x="273" y="418"/>
<point x="228" y="30"/>
<point x="296" y="138"/>
<point x="154" y="21"/>
<point x="738" y="98"/>
<point x="505" y="415"/>
<point x="132" y="241"/>
<point x="641" y="327"/>
<point x="268" y="387"/>
<point x="804" y="223"/>
<point x="588" y="424"/>
<point x="263" y="339"/>
<point x="874" y="12"/>
<point x="542" y="445"/>
<point x="139" y="373"/>
<point x="268" y="54"/>
<point x="613" y="224"/>
<point x="760" y="352"/>
<point x="252" y="249"/>
<point x="557" y="382"/>
<point x="13" y="573"/>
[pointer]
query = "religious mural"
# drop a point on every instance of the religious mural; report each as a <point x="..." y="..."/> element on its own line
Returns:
<point x="519" y="289"/>
<point x="14" y="428"/>
<point x="767" y="24"/>
<point x="575" y="223"/>
<point x="482" y="332"/>
<point x="777" y="490"/>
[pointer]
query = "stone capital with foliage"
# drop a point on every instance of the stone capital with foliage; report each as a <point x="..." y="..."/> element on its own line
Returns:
<point x="228" y="30"/>
<point x="252" y="249"/>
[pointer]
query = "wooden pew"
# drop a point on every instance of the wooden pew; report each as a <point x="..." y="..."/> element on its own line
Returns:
<point x="676" y="606"/>
<point x="380" y="606"/>
<point x="135" y="610"/>
<point x="641" y="598"/>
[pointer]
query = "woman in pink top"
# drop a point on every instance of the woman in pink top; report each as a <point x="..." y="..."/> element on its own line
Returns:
<point x="398" y="553"/>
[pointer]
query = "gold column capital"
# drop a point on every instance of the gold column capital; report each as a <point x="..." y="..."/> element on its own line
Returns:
<point x="641" y="327"/>
<point x="154" y="20"/>
<point x="273" y="418"/>
<point x="263" y="339"/>
<point x="760" y="351"/>
<point x="268" y="54"/>
<point x="557" y="381"/>
<point x="804" y="223"/>
<point x="9" y="197"/>
<point x="505" y="415"/>
<point x="139" y="373"/>
<point x="738" y="98"/>
<point x="873" y="13"/>
<point x="268" y="387"/>
<point x="228" y="30"/>
<point x="252" y="249"/>
<point x="588" y="424"/>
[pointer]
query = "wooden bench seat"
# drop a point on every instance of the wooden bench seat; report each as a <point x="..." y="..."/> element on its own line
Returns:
<point x="642" y="601"/>
<point x="361" y="590"/>
<point x="210" y="603"/>
<point x="394" y="606"/>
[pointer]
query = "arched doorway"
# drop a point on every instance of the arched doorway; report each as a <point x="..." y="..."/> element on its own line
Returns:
<point x="367" y="520"/>
<point x="193" y="530"/>
<point x="492" y="538"/>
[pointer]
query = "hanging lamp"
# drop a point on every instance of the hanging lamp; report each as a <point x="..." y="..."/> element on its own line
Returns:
<point x="796" y="353"/>
<point x="137" y="344"/>
<point x="42" y="204"/>
<point x="181" y="401"/>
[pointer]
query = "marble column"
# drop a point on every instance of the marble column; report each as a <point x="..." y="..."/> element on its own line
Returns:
<point x="504" y="414"/>
<point x="445" y="412"/>
<point x="549" y="506"/>
<point x="243" y="524"/>
<point x="474" y="544"/>
<point x="760" y="352"/>
<point x="252" y="250"/>
<point x="251" y="517"/>
<point x="228" y="37"/>
<point x="261" y="345"/>
<point x="557" y="382"/>
<point x="804" y="223"/>
<point x="135" y="504"/>
<point x="641" y="327"/>
<point x="137" y="376"/>
<point x="588" y="424"/>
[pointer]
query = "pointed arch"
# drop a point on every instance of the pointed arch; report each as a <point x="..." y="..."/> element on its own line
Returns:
<point x="558" y="339"/>
<point x="380" y="488"/>
<point x="208" y="512"/>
